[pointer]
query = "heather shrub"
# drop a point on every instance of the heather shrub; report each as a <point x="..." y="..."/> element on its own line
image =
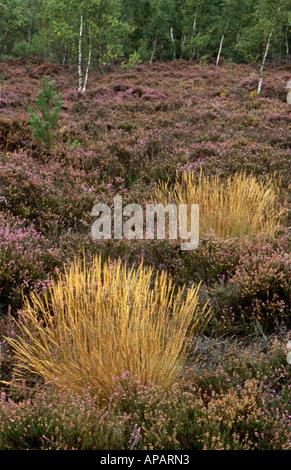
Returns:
<point x="24" y="193"/>
<point x="238" y="420"/>
<point x="59" y="420"/>
<point x="100" y="320"/>
<point x="260" y="288"/>
<point x="234" y="361"/>
<point x="237" y="402"/>
<point x="244" y="388"/>
<point x="27" y="260"/>
<point x="215" y="258"/>
<point x="257" y="294"/>
<point x="142" y="156"/>
<point x="13" y="132"/>
<point x="245" y="279"/>
<point x="7" y="328"/>
<point x="51" y="196"/>
<point x="251" y="378"/>
<point x="127" y="134"/>
<point x="157" y="413"/>
<point x="218" y="258"/>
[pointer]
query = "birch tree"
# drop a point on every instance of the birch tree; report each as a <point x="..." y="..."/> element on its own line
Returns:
<point x="272" y="28"/>
<point x="80" y="58"/>
<point x="204" y="23"/>
<point x="234" y="15"/>
<point x="161" y="25"/>
<point x="11" y="21"/>
<point x="221" y="42"/>
<point x="265" y="32"/>
<point x="83" y="79"/>
<point x="95" y="32"/>
<point x="92" y="29"/>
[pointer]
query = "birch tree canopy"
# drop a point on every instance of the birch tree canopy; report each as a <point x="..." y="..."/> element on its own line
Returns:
<point x="94" y="33"/>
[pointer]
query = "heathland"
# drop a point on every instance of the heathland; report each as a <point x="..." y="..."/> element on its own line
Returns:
<point x="104" y="352"/>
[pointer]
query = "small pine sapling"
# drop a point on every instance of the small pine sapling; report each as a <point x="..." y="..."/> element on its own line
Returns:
<point x="44" y="120"/>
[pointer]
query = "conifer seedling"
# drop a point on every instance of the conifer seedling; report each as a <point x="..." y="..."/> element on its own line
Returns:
<point x="44" y="119"/>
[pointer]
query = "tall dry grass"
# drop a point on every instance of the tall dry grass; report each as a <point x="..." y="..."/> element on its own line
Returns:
<point x="98" y="321"/>
<point x="239" y="206"/>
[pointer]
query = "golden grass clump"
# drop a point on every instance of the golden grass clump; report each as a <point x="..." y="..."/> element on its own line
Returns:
<point x="97" y="322"/>
<point x="237" y="207"/>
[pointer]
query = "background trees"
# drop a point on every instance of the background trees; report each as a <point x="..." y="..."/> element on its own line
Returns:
<point x="89" y="32"/>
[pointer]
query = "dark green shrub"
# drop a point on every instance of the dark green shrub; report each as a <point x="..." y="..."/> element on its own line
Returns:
<point x="48" y="104"/>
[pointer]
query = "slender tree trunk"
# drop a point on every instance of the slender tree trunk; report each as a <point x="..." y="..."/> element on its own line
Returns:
<point x="65" y="53"/>
<point x="287" y="46"/>
<point x="80" y="54"/>
<point x="183" y="40"/>
<point x="221" y="44"/>
<point x="193" y="33"/>
<point x="154" y="48"/>
<point x="89" y="62"/>
<point x="29" y="33"/>
<point x="264" y="58"/>
<point x="173" y="42"/>
<point x="194" y="24"/>
<point x="236" y="44"/>
<point x="263" y="63"/>
<point x="5" y="43"/>
<point x="100" y="58"/>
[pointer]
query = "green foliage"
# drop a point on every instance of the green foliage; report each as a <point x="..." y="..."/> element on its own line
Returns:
<point x="73" y="144"/>
<point x="268" y="16"/>
<point x="151" y="29"/>
<point x="48" y="104"/>
<point x="133" y="61"/>
<point x="22" y="48"/>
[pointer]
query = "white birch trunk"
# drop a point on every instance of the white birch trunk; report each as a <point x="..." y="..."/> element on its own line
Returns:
<point x="5" y="43"/>
<point x="236" y="44"/>
<point x="173" y="42"/>
<point x="221" y="44"/>
<point x="89" y="62"/>
<point x="183" y="40"/>
<point x="154" y="49"/>
<point x="263" y="63"/>
<point x="194" y="24"/>
<point x="29" y="33"/>
<point x="193" y="33"/>
<point x="287" y="46"/>
<point x="65" y="54"/>
<point x="264" y="58"/>
<point x="80" y="54"/>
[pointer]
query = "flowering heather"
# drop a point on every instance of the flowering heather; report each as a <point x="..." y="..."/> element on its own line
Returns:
<point x="129" y="132"/>
<point x="236" y="402"/>
<point x="27" y="260"/>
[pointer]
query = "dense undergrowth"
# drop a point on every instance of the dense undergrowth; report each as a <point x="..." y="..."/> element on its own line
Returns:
<point x="126" y="135"/>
